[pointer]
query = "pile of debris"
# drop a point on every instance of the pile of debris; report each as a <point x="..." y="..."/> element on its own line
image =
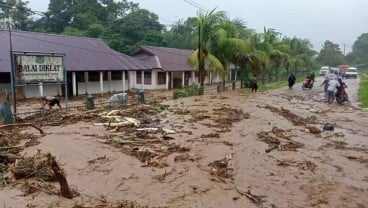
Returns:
<point x="221" y="168"/>
<point x="140" y="136"/>
<point x="61" y="117"/>
<point x="278" y="139"/>
<point x="305" y="165"/>
<point x="295" y="119"/>
<point x="103" y="203"/>
<point x="227" y="116"/>
<point x="36" y="174"/>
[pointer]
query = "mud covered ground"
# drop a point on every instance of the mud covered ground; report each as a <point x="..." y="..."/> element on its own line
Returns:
<point x="232" y="149"/>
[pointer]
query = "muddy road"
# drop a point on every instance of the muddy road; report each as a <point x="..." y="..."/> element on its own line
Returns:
<point x="233" y="149"/>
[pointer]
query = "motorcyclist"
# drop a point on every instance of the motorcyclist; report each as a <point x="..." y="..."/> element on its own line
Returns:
<point x="312" y="76"/>
<point x="341" y="87"/>
<point x="309" y="81"/>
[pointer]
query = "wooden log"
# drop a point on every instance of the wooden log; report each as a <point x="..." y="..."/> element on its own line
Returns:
<point x="64" y="187"/>
<point x="22" y="125"/>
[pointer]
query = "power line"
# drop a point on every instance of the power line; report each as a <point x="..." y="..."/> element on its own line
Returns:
<point x="197" y="5"/>
<point x="9" y="6"/>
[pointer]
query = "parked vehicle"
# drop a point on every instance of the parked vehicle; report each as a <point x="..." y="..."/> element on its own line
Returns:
<point x="351" y="72"/>
<point x="342" y="70"/>
<point x="323" y="70"/>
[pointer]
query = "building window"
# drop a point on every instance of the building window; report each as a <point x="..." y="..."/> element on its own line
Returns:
<point x="161" y="78"/>
<point x="148" y="78"/>
<point x="138" y="75"/>
<point x="117" y="75"/>
<point x="94" y="76"/>
<point x="79" y="76"/>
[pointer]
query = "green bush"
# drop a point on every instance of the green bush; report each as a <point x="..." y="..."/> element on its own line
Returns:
<point x="363" y="90"/>
<point x="191" y="90"/>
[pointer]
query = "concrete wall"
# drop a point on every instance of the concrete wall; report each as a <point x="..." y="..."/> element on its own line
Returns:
<point x="34" y="92"/>
<point x="135" y="85"/>
<point x="112" y="86"/>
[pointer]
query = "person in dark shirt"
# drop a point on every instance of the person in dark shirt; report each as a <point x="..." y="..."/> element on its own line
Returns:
<point x="291" y="80"/>
<point x="51" y="101"/>
<point x="254" y="84"/>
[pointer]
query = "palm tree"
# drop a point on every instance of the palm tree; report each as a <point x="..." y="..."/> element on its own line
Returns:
<point x="207" y="23"/>
<point x="301" y="54"/>
<point x="218" y="45"/>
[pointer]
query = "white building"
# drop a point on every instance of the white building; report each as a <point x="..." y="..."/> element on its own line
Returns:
<point x="92" y="67"/>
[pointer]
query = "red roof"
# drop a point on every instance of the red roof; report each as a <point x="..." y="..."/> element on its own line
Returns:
<point x="82" y="54"/>
<point x="167" y="59"/>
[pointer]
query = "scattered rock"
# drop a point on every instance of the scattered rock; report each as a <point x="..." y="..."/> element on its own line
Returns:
<point x="313" y="129"/>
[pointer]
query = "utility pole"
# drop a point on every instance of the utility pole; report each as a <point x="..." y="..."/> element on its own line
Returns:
<point x="12" y="75"/>
<point x="200" y="62"/>
<point x="344" y="48"/>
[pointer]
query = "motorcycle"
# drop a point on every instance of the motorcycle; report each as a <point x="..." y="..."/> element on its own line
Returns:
<point x="341" y="96"/>
<point x="307" y="84"/>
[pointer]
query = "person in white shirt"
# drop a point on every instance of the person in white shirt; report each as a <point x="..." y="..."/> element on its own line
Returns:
<point x="332" y="84"/>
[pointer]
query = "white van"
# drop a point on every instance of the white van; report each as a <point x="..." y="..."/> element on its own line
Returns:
<point x="351" y="72"/>
<point x="324" y="70"/>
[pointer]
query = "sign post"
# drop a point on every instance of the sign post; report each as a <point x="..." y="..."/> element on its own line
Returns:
<point x="30" y="68"/>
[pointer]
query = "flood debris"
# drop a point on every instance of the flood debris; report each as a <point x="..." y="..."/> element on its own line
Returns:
<point x="278" y="139"/>
<point x="150" y="152"/>
<point x="186" y="157"/>
<point x="22" y="125"/>
<point x="256" y="199"/>
<point x="103" y="203"/>
<point x="313" y="129"/>
<point x="295" y="119"/>
<point x="304" y="165"/>
<point x="60" y="117"/>
<point x="361" y="159"/>
<point x="227" y="116"/>
<point x="137" y="132"/>
<point x="210" y="135"/>
<point x="37" y="171"/>
<point x="220" y="168"/>
<point x="162" y="177"/>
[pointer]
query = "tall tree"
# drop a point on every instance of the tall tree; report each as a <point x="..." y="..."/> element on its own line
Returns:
<point x="207" y="23"/>
<point x="360" y="50"/>
<point x="16" y="13"/>
<point x="331" y="54"/>
<point x="138" y="27"/>
<point x="183" y="34"/>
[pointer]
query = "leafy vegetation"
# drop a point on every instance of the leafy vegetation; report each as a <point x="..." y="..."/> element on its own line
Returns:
<point x="363" y="90"/>
<point x="191" y="90"/>
<point x="221" y="43"/>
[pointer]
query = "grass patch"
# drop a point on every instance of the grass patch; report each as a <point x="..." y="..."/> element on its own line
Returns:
<point x="278" y="85"/>
<point x="363" y="90"/>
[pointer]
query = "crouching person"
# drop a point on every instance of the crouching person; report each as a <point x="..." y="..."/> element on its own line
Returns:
<point x="51" y="101"/>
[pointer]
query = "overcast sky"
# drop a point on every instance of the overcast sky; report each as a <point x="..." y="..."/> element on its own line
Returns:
<point x="340" y="21"/>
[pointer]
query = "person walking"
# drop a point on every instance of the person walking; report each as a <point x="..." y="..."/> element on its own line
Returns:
<point x="326" y="79"/>
<point x="254" y="84"/>
<point x="332" y="85"/>
<point x="291" y="80"/>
